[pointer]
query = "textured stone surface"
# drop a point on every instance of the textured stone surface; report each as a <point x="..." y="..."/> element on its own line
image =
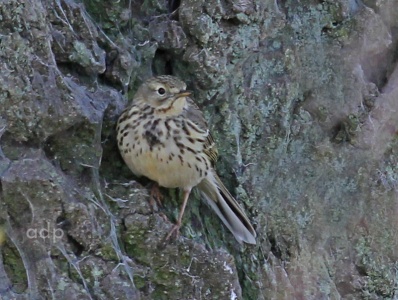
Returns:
<point x="302" y="99"/>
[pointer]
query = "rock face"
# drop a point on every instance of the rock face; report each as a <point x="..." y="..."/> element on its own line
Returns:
<point x="302" y="100"/>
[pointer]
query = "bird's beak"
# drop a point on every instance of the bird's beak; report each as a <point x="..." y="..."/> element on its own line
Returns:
<point x="184" y="94"/>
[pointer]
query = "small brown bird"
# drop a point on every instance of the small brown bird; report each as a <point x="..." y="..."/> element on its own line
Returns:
<point x="164" y="136"/>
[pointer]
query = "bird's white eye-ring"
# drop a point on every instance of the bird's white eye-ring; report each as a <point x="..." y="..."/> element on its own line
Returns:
<point x="161" y="91"/>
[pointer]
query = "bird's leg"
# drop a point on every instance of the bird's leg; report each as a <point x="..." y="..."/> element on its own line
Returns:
<point x="176" y="227"/>
<point x="155" y="196"/>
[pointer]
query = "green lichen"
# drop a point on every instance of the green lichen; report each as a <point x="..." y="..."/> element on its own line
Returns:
<point x="82" y="55"/>
<point x="380" y="274"/>
<point x="62" y="285"/>
<point x="82" y="150"/>
<point x="114" y="16"/>
<point x="154" y="7"/>
<point x="14" y="267"/>
<point x="107" y="252"/>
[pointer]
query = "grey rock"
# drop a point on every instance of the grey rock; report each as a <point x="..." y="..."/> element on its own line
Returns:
<point x="301" y="98"/>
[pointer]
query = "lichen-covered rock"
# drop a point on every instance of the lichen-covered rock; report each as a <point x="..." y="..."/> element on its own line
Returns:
<point x="301" y="98"/>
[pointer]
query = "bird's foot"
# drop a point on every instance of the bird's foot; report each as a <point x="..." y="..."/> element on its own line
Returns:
<point x="174" y="232"/>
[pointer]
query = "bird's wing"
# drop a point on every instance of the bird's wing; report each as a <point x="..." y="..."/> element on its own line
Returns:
<point x="195" y="115"/>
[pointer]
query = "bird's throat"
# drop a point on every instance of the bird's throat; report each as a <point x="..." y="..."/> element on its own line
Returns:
<point x="173" y="108"/>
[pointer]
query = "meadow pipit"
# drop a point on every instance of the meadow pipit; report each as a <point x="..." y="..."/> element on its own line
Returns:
<point x="164" y="136"/>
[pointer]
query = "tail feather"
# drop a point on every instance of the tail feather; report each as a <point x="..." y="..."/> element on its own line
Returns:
<point x="227" y="209"/>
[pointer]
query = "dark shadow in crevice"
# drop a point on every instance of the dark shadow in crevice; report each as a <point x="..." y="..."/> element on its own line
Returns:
<point x="361" y="270"/>
<point x="173" y="5"/>
<point x="276" y="251"/>
<point x="341" y="134"/>
<point x="280" y="247"/>
<point x="162" y="63"/>
<point x="330" y="28"/>
<point x="76" y="247"/>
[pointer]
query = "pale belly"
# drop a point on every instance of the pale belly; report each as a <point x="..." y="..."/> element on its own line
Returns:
<point x="171" y="173"/>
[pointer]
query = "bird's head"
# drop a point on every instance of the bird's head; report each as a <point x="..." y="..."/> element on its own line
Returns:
<point x="167" y="94"/>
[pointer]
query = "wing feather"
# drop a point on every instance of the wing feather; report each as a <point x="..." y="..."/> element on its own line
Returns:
<point x="194" y="114"/>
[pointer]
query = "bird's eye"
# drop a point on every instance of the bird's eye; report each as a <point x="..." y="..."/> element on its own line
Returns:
<point x="161" y="91"/>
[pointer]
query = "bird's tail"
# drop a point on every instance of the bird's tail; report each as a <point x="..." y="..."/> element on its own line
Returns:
<point x="226" y="207"/>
